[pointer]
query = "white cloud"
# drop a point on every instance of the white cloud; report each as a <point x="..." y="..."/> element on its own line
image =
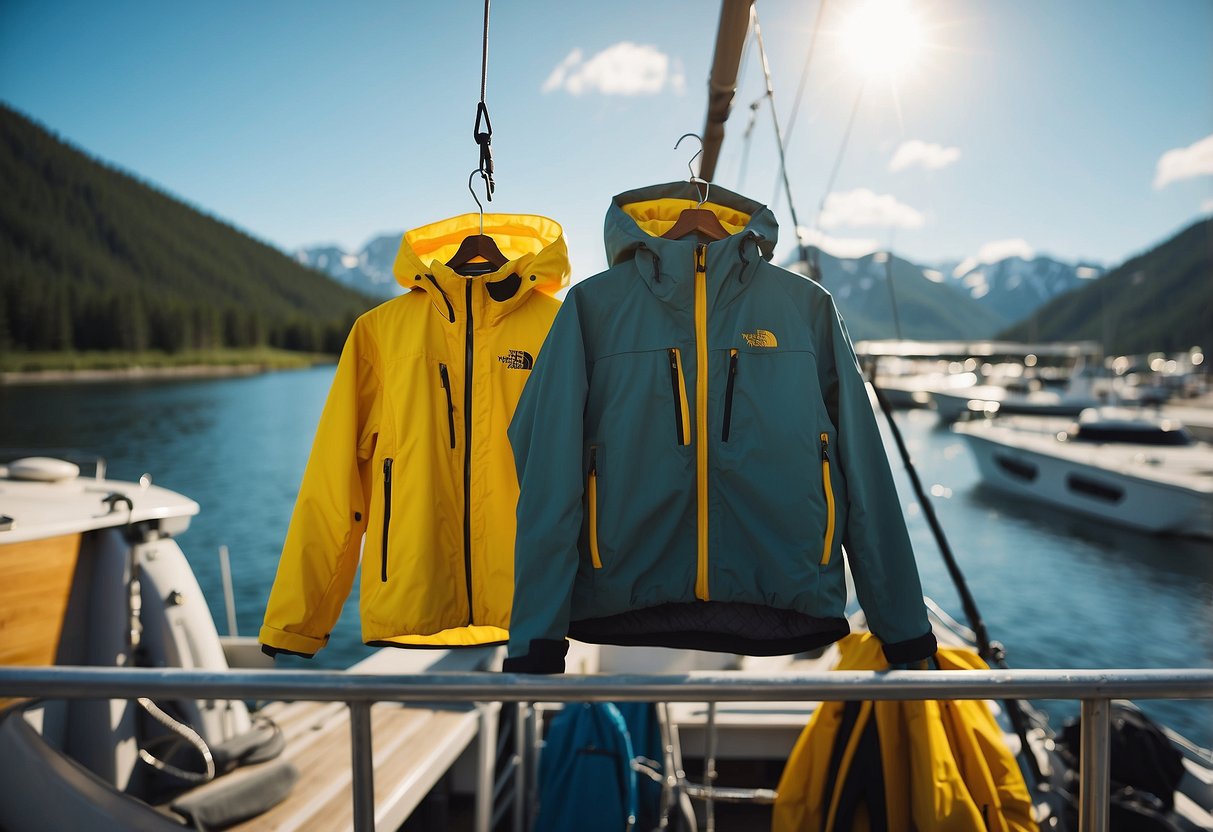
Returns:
<point x="862" y="208"/>
<point x="1184" y="163"/>
<point x="927" y="155"/>
<point x="1206" y="207"/>
<point x="933" y="275"/>
<point x="845" y="247"/>
<point x="1086" y="273"/>
<point x="623" y="69"/>
<point x="994" y="251"/>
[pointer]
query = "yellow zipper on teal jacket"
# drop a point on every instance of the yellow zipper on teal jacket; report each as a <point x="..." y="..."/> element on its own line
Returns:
<point x="411" y="450"/>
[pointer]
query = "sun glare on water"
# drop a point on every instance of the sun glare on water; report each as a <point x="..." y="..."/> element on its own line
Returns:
<point x="883" y="38"/>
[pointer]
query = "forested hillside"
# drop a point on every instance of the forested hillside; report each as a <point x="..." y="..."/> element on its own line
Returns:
<point x="1161" y="300"/>
<point x="93" y="259"/>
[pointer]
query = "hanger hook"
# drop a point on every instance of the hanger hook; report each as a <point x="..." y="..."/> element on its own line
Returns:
<point x="695" y="177"/>
<point x="472" y="191"/>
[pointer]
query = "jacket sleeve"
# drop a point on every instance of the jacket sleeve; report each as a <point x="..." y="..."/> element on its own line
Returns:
<point x="877" y="544"/>
<point x="546" y="435"/>
<point x="320" y="557"/>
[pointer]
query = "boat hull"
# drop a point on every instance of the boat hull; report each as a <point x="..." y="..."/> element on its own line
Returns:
<point x="1092" y="490"/>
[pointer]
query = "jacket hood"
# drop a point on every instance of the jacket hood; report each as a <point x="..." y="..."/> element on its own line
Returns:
<point x="533" y="245"/>
<point x="638" y="218"/>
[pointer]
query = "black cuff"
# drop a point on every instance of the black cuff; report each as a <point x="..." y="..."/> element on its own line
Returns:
<point x="546" y="656"/>
<point x="278" y="651"/>
<point x="912" y="650"/>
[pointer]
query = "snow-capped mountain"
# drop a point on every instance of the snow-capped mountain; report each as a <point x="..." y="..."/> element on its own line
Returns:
<point x="1015" y="287"/>
<point x="927" y="307"/>
<point x="368" y="270"/>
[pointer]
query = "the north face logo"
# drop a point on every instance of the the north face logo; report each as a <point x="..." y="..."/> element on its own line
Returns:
<point x="760" y="338"/>
<point x="517" y="360"/>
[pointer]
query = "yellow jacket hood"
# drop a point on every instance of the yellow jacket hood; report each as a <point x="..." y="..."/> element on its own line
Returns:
<point x="534" y="246"/>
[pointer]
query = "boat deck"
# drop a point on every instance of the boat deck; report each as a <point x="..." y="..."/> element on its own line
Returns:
<point x="413" y="747"/>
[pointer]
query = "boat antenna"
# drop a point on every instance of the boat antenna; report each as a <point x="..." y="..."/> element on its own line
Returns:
<point x="783" y="168"/>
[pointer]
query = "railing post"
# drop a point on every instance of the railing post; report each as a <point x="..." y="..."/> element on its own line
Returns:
<point x="521" y="753"/>
<point x="363" y="767"/>
<point x="486" y="758"/>
<point x="1093" y="791"/>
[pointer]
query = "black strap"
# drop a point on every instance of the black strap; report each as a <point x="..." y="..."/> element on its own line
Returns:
<point x="484" y="137"/>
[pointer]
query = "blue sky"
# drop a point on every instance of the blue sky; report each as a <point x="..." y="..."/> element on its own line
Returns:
<point x="302" y="123"/>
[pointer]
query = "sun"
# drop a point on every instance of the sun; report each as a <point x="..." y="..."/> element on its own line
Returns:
<point x="883" y="37"/>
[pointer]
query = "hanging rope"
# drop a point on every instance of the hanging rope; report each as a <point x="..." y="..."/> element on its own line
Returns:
<point x="804" y="77"/>
<point x="783" y="168"/>
<point x="484" y="137"/>
<point x="815" y="266"/>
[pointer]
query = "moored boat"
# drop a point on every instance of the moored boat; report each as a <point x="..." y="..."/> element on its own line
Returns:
<point x="1123" y="467"/>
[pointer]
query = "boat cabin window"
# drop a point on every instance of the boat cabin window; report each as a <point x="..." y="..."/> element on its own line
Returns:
<point x="1094" y="488"/>
<point x="1130" y="432"/>
<point x="1017" y="468"/>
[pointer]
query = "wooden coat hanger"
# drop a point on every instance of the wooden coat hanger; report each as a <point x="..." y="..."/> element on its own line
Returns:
<point x="697" y="220"/>
<point x="474" y="246"/>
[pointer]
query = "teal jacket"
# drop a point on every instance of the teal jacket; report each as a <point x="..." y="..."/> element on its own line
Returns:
<point x="694" y="448"/>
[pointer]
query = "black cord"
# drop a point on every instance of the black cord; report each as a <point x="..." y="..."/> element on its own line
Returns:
<point x="928" y="509"/>
<point x="484" y="138"/>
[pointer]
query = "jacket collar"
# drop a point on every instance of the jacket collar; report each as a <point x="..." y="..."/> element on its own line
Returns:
<point x="637" y="219"/>
<point x="534" y="246"/>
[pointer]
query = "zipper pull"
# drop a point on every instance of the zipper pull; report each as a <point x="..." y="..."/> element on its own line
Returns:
<point x="825" y="447"/>
<point x="701" y="258"/>
<point x="387" y="471"/>
<point x="446" y="379"/>
<point x="594" y="461"/>
<point x="733" y="365"/>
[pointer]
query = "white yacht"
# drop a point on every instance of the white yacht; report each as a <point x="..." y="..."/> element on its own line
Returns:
<point x="1115" y="465"/>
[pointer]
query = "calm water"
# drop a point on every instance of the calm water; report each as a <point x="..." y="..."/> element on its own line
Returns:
<point x="1058" y="591"/>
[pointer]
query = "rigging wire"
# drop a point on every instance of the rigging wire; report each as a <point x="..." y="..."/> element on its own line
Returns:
<point x="804" y="77"/>
<point x="770" y="96"/>
<point x="745" y="142"/>
<point x="815" y="265"/>
<point x="484" y="138"/>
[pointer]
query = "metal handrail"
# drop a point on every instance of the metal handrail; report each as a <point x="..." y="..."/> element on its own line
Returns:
<point x="1094" y="688"/>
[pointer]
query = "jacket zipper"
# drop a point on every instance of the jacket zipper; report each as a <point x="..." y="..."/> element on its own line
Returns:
<point x="701" y="416"/>
<point x="450" y="405"/>
<point x="728" y="396"/>
<point x="592" y="499"/>
<point x="828" y="546"/>
<point x="467" y="455"/>
<point x="387" y="514"/>
<point x="682" y="416"/>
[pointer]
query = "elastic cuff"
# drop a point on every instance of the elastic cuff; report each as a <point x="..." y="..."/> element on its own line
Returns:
<point x="546" y="656"/>
<point x="287" y="642"/>
<point x="912" y="650"/>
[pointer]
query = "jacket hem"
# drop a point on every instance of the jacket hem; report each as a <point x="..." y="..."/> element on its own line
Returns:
<point x="718" y="626"/>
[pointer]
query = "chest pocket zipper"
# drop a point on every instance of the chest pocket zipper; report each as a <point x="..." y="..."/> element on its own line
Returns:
<point x="592" y="500"/>
<point x="450" y="405"/>
<point x="387" y="514"/>
<point x="728" y="396"/>
<point x="828" y="545"/>
<point x="678" y="385"/>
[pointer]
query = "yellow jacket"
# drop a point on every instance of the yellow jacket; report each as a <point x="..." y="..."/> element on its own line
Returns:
<point x="411" y="449"/>
<point x="938" y="765"/>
